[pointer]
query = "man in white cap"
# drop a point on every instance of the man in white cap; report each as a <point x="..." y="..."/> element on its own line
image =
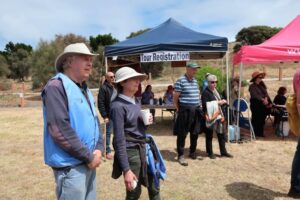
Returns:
<point x="72" y="137"/>
<point x="186" y="100"/>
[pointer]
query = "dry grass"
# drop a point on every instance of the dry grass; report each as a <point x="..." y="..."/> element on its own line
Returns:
<point x="259" y="170"/>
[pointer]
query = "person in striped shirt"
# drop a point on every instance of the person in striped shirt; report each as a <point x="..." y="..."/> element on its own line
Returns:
<point x="186" y="100"/>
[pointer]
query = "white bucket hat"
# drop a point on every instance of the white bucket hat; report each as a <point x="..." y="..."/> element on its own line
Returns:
<point x="76" y="48"/>
<point x="125" y="73"/>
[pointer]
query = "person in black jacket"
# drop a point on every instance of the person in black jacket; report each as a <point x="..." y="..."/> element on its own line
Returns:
<point x="259" y="101"/>
<point x="105" y="96"/>
<point x="211" y="94"/>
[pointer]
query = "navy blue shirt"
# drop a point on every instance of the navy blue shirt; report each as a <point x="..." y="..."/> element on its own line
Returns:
<point x="127" y="119"/>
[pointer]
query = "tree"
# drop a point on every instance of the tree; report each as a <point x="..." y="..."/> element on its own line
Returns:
<point x="254" y="35"/>
<point x="19" y="64"/>
<point x="155" y="68"/>
<point x="98" y="69"/>
<point x="102" y="40"/>
<point x="44" y="57"/>
<point x="133" y="34"/>
<point x="4" y="70"/>
<point x="200" y="76"/>
<point x="18" y="58"/>
<point x="97" y="43"/>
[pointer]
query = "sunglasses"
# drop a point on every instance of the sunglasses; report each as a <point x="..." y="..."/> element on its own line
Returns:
<point x="261" y="77"/>
<point x="112" y="77"/>
<point x="213" y="82"/>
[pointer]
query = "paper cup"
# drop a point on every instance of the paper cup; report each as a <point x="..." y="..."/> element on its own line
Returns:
<point x="146" y="115"/>
<point x="133" y="184"/>
<point x="151" y="102"/>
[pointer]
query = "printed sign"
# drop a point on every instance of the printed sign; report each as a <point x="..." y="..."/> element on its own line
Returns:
<point x="162" y="56"/>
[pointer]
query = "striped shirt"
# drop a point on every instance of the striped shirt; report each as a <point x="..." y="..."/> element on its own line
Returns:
<point x="189" y="91"/>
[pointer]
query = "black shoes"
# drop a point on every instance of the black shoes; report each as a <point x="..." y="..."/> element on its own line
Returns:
<point x="294" y="194"/>
<point x="194" y="156"/>
<point x="224" y="155"/>
<point x="227" y="155"/>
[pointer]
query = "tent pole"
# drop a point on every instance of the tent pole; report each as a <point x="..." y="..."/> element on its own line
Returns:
<point x="106" y="67"/>
<point x="239" y="99"/>
<point x="227" y="91"/>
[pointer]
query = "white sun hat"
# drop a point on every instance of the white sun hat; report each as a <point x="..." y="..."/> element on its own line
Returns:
<point x="125" y="73"/>
<point x="76" y="48"/>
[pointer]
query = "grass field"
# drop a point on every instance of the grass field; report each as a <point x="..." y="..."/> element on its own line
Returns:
<point x="259" y="169"/>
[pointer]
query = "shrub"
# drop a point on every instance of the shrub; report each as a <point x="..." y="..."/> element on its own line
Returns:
<point x="200" y="76"/>
<point x="5" y="84"/>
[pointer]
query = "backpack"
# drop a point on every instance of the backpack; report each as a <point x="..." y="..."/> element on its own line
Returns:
<point x="293" y="116"/>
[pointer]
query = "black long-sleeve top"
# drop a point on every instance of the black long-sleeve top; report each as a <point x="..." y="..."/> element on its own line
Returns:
<point x="127" y="119"/>
<point x="104" y="99"/>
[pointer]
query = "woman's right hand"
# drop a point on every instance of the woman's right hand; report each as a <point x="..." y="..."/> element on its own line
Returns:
<point x="222" y="102"/>
<point x="265" y="101"/>
<point x="129" y="176"/>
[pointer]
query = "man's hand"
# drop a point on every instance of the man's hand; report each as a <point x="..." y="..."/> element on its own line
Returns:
<point x="106" y="120"/>
<point x="128" y="179"/>
<point x="96" y="160"/>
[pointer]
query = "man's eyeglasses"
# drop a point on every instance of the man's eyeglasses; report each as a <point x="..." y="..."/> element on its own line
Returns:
<point x="112" y="77"/>
<point x="213" y="82"/>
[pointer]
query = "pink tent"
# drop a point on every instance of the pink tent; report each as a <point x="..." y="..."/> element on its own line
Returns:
<point x="282" y="47"/>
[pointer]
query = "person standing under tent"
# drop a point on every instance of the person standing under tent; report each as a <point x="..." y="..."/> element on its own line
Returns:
<point x="186" y="100"/>
<point x="106" y="94"/>
<point x="259" y="100"/>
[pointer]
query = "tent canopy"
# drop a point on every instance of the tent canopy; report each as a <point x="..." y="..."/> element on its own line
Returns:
<point x="282" y="47"/>
<point x="170" y="36"/>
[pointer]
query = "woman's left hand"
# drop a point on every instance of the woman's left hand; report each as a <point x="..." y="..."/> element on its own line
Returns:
<point x="151" y="119"/>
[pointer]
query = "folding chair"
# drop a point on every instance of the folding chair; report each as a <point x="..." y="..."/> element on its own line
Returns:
<point x="239" y="119"/>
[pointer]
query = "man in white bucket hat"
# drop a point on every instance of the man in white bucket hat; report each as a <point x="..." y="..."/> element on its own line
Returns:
<point x="129" y="136"/>
<point x="72" y="137"/>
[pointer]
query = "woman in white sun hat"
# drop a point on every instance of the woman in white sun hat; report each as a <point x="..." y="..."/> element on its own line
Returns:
<point x="129" y="136"/>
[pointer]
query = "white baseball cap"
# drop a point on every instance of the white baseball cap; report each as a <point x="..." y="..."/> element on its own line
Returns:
<point x="125" y="73"/>
<point x="76" y="48"/>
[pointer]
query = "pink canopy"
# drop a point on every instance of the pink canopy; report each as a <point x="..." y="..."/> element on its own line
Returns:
<point x="282" y="47"/>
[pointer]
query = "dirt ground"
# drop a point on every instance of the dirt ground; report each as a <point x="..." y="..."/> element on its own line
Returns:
<point x="259" y="170"/>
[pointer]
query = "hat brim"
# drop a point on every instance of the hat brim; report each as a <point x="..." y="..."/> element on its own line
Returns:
<point x="264" y="74"/>
<point x="193" y="67"/>
<point x="141" y="76"/>
<point x="61" y="58"/>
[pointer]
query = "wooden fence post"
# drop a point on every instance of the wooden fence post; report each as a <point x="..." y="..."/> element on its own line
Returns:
<point x="22" y="99"/>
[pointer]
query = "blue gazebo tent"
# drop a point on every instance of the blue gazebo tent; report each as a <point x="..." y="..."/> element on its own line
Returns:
<point x="170" y="36"/>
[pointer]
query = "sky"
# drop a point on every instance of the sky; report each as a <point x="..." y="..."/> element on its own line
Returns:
<point x="30" y="21"/>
